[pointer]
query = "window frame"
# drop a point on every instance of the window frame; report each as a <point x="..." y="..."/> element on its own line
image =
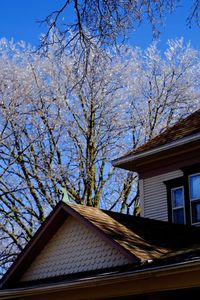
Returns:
<point x="192" y="200"/>
<point x="185" y="182"/>
<point x="178" y="207"/>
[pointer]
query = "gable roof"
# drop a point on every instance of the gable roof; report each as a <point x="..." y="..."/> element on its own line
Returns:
<point x="73" y="249"/>
<point x="182" y="129"/>
<point x="139" y="239"/>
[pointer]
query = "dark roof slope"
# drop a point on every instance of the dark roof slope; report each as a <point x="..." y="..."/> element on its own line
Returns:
<point x="146" y="239"/>
<point x="185" y="127"/>
<point x="172" y="237"/>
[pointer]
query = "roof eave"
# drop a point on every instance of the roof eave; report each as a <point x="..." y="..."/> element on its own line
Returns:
<point x="108" y="279"/>
<point x="119" y="162"/>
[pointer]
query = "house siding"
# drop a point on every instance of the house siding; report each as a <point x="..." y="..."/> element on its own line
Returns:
<point x="154" y="195"/>
<point x="73" y="249"/>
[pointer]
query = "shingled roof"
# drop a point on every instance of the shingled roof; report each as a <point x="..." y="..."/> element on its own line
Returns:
<point x="146" y="239"/>
<point x="185" y="127"/>
<point x="142" y="240"/>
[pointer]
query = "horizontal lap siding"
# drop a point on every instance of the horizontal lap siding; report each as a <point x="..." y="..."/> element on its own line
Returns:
<point x="155" y="195"/>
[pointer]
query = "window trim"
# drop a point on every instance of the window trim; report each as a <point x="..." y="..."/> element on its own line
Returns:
<point x="171" y="184"/>
<point x="182" y="181"/>
<point x="178" y="207"/>
<point x="192" y="200"/>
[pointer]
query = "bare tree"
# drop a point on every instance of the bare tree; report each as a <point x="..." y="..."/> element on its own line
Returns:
<point x="60" y="130"/>
<point x="159" y="88"/>
<point x="107" y="22"/>
<point x="57" y="133"/>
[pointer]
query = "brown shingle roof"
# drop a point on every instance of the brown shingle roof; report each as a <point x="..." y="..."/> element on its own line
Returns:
<point x="146" y="239"/>
<point x="185" y="127"/>
<point x="127" y="238"/>
<point x="174" y="238"/>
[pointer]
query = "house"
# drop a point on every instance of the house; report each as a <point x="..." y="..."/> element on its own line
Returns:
<point x="169" y="172"/>
<point x="87" y="253"/>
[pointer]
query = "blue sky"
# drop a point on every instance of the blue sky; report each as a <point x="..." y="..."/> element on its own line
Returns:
<point x="18" y="20"/>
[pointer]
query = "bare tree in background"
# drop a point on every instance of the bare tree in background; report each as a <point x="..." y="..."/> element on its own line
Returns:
<point x="59" y="131"/>
<point x="108" y="22"/>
